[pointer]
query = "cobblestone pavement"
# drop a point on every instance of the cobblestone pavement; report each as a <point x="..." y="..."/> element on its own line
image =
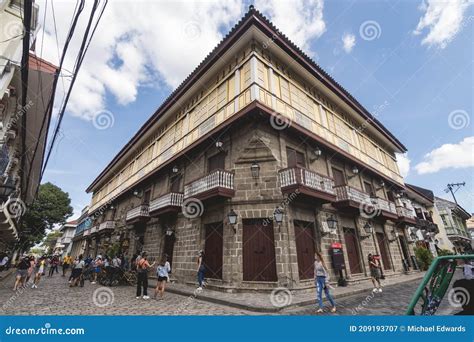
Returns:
<point x="55" y="297"/>
<point x="393" y="300"/>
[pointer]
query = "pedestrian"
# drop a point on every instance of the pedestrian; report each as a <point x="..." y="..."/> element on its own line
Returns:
<point x="21" y="272"/>
<point x="162" y="272"/>
<point x="53" y="265"/>
<point x="77" y="271"/>
<point x="31" y="268"/>
<point x="97" y="266"/>
<point x="38" y="272"/>
<point x="375" y="272"/>
<point x="67" y="261"/>
<point x="321" y="278"/>
<point x="201" y="269"/>
<point x="142" y="274"/>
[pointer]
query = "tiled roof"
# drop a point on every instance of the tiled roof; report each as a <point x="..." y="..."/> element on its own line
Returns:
<point x="422" y="191"/>
<point x="253" y="16"/>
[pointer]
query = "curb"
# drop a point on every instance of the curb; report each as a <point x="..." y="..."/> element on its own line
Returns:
<point x="263" y="309"/>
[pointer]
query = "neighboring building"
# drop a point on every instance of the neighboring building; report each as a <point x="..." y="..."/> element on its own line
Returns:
<point x="257" y="126"/>
<point x="78" y="243"/>
<point x="454" y="219"/>
<point x="23" y="130"/>
<point x="63" y="244"/>
<point x="470" y="229"/>
<point x="427" y="232"/>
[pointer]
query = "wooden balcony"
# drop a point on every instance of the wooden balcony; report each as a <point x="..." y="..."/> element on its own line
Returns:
<point x="107" y="225"/>
<point x="405" y="215"/>
<point x="352" y="199"/>
<point x="169" y="203"/>
<point x="138" y="213"/>
<point x="308" y="183"/>
<point x="218" y="183"/>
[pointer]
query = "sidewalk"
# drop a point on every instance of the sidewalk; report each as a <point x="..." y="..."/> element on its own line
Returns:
<point x="262" y="302"/>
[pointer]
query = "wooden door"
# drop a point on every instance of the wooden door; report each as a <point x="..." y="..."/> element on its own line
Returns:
<point x="304" y="238"/>
<point x="169" y="247"/>
<point x="352" y="250"/>
<point x="383" y="250"/>
<point x="338" y="176"/>
<point x="213" y="250"/>
<point x="369" y="189"/>
<point x="216" y="162"/>
<point x="295" y="158"/>
<point x="259" y="262"/>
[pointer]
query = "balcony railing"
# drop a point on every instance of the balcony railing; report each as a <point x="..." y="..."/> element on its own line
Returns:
<point x="107" y="225"/>
<point x="137" y="213"/>
<point x="387" y="206"/>
<point x="405" y="212"/>
<point x="348" y="193"/>
<point x="307" y="181"/>
<point x="170" y="201"/>
<point x="216" y="183"/>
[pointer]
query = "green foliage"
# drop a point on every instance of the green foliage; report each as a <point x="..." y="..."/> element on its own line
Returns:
<point x="424" y="257"/>
<point x="113" y="250"/>
<point x="443" y="252"/>
<point x="51" y="207"/>
<point x="51" y="239"/>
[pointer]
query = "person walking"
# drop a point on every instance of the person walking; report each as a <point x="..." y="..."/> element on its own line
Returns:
<point x="30" y="269"/>
<point x="201" y="269"/>
<point x="321" y="278"/>
<point x="375" y="272"/>
<point x="142" y="274"/>
<point x="67" y="261"/>
<point x="39" y="270"/>
<point x="21" y="272"/>
<point x="97" y="267"/>
<point x="77" y="271"/>
<point x="53" y="265"/>
<point x="162" y="272"/>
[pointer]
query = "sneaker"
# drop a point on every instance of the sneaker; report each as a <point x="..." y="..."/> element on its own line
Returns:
<point x="199" y="288"/>
<point x="93" y="282"/>
<point x="319" y="310"/>
<point x="380" y="289"/>
<point x="333" y="309"/>
<point x="374" y="290"/>
<point x="138" y="297"/>
<point x="146" y="297"/>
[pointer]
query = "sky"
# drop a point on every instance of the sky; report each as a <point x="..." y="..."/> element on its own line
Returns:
<point x="408" y="62"/>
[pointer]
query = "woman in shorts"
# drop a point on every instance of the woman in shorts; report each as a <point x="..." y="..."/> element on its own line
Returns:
<point x="162" y="272"/>
<point x="21" y="272"/>
<point x="375" y="273"/>
<point x="40" y="264"/>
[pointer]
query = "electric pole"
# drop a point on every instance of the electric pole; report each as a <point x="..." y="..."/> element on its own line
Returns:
<point x="454" y="185"/>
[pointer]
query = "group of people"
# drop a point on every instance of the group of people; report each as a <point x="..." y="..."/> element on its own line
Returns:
<point x="142" y="266"/>
<point x="29" y="267"/>
<point x="322" y="279"/>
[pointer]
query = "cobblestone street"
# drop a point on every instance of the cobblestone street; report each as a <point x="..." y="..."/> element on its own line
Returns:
<point x="54" y="297"/>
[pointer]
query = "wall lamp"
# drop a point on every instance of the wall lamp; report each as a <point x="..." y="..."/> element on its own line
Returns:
<point x="232" y="218"/>
<point x="368" y="230"/>
<point x="255" y="170"/>
<point x="137" y="193"/>
<point x="355" y="172"/>
<point x="332" y="224"/>
<point x="175" y="169"/>
<point x="219" y="144"/>
<point x="317" y="153"/>
<point x="278" y="215"/>
<point x="382" y="185"/>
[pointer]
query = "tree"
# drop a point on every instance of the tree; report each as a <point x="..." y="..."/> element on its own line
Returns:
<point x="51" y="207"/>
<point x="424" y="257"/>
<point x="50" y="240"/>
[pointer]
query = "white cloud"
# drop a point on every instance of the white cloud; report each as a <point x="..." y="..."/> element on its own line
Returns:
<point x="447" y="156"/>
<point x="403" y="164"/>
<point x="348" y="42"/>
<point x="136" y="44"/>
<point x="443" y="19"/>
<point x="299" y="20"/>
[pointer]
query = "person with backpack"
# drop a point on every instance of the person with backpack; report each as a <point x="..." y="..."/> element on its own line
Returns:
<point x="162" y="272"/>
<point x="375" y="273"/>
<point x="322" y="276"/>
<point x="142" y="276"/>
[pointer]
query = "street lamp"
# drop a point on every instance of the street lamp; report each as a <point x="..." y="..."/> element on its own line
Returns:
<point x="255" y="169"/>
<point x="175" y="169"/>
<point x="5" y="191"/>
<point x="278" y="215"/>
<point x="355" y="172"/>
<point x="332" y="223"/>
<point x="232" y="218"/>
<point x="394" y="235"/>
<point x="317" y="153"/>
<point x="368" y="228"/>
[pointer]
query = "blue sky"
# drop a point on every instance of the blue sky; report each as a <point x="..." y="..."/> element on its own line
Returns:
<point x="418" y="82"/>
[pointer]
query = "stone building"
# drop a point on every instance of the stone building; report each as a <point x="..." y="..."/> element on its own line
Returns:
<point x="259" y="134"/>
